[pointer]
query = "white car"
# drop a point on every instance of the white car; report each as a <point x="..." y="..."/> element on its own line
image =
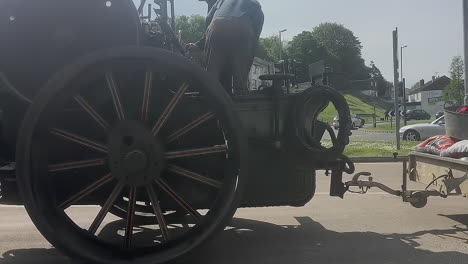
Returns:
<point x="423" y="131"/>
<point x="357" y="122"/>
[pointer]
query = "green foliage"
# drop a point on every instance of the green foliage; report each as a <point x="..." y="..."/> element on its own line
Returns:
<point x="305" y="49"/>
<point x="454" y="92"/>
<point x="382" y="84"/>
<point x="331" y="42"/>
<point x="416" y="86"/>
<point x="191" y="28"/>
<point x="344" y="49"/>
<point x="269" y="48"/>
<point x="378" y="149"/>
<point x="356" y="105"/>
<point x="374" y="71"/>
<point x="338" y="39"/>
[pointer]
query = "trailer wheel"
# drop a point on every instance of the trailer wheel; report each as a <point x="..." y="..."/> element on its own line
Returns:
<point x="138" y="123"/>
<point x="421" y="201"/>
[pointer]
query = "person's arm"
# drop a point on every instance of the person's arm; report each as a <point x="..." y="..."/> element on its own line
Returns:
<point x="201" y="43"/>
<point x="212" y="10"/>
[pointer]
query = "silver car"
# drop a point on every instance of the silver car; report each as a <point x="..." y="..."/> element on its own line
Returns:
<point x="420" y="132"/>
<point x="356" y="122"/>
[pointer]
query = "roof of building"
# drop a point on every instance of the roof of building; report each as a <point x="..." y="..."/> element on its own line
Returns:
<point x="436" y="85"/>
<point x="413" y="104"/>
<point x="262" y="62"/>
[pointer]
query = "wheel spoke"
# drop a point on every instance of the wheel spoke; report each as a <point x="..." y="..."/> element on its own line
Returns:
<point x="115" y="96"/>
<point x="80" y="140"/>
<point x="202" y="119"/>
<point x="105" y="209"/>
<point x="158" y="212"/>
<point x="194" y="176"/>
<point x="168" y="189"/>
<point x="146" y="96"/>
<point x="76" y="165"/>
<point x="88" y="108"/>
<point x="169" y="109"/>
<point x="93" y="187"/>
<point x="196" y="152"/>
<point x="130" y="217"/>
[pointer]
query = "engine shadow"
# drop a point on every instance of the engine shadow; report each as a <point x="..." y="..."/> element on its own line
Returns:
<point x="249" y="241"/>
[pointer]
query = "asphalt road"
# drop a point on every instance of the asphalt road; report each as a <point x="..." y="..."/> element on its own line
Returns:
<point x="363" y="135"/>
<point x="375" y="228"/>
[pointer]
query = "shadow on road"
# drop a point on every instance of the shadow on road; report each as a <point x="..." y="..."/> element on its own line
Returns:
<point x="248" y="241"/>
<point x="310" y="242"/>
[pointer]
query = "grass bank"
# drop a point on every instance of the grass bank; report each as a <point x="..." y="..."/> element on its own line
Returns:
<point x="376" y="148"/>
<point x="356" y="105"/>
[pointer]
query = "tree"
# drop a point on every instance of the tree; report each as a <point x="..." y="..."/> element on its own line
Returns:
<point x="416" y="86"/>
<point x="269" y="48"/>
<point x="305" y="49"/>
<point x="344" y="49"/>
<point x="375" y="72"/>
<point x="382" y="85"/>
<point x="191" y="28"/>
<point x="454" y="92"/>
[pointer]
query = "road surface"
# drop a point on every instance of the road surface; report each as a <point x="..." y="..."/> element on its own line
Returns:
<point x="375" y="228"/>
<point x="363" y="135"/>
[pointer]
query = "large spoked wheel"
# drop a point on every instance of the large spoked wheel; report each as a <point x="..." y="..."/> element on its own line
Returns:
<point x="138" y="125"/>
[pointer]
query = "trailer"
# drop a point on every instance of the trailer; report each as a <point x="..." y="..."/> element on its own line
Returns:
<point x="446" y="175"/>
<point x="442" y="176"/>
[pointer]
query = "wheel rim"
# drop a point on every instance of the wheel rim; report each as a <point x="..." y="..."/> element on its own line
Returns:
<point x="152" y="181"/>
<point x="411" y="136"/>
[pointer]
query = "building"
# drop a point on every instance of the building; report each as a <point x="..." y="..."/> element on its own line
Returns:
<point x="372" y="93"/>
<point x="430" y="95"/>
<point x="370" y="88"/>
<point x="259" y="67"/>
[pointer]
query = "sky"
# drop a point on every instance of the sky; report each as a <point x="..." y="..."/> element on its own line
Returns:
<point x="432" y="29"/>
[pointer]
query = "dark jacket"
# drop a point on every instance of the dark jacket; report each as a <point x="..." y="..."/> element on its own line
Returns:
<point x="250" y="10"/>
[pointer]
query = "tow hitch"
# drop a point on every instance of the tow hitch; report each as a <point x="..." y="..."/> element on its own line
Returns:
<point x="417" y="198"/>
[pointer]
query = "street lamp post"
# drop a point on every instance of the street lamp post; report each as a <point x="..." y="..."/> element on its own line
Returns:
<point x="281" y="48"/>
<point x="403" y="81"/>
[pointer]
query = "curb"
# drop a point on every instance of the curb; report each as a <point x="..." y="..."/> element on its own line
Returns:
<point x="378" y="131"/>
<point x="379" y="159"/>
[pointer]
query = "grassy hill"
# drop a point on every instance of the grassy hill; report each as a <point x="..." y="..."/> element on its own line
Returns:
<point x="356" y="105"/>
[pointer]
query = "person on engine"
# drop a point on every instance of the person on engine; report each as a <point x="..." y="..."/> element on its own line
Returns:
<point x="233" y="30"/>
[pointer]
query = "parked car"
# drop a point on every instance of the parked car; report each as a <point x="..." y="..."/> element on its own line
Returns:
<point x="439" y="114"/>
<point x="417" y="114"/>
<point x="423" y="131"/>
<point x="357" y="122"/>
<point x="363" y="121"/>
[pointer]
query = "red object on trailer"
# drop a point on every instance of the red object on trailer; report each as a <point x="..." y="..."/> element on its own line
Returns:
<point x="464" y="110"/>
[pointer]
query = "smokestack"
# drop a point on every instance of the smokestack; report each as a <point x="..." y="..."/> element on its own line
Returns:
<point x="421" y="83"/>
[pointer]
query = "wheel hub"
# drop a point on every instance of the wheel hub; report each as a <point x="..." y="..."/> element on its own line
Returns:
<point x="136" y="158"/>
<point x="135" y="161"/>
